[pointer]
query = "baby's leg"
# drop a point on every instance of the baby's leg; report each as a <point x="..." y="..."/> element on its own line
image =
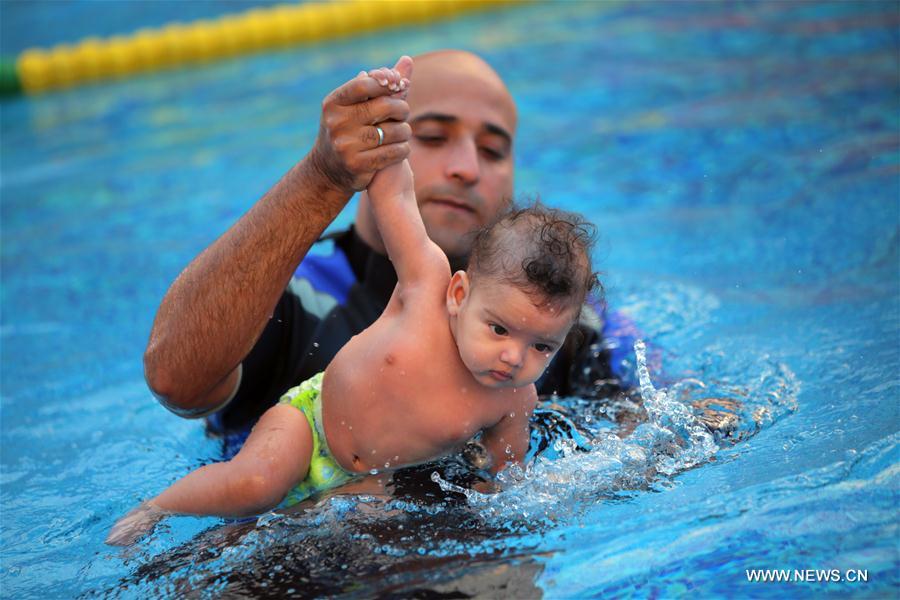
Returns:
<point x="274" y="458"/>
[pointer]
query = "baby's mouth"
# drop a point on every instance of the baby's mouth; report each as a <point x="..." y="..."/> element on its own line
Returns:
<point x="501" y="375"/>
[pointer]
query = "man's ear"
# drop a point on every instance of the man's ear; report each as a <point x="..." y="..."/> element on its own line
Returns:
<point x="457" y="292"/>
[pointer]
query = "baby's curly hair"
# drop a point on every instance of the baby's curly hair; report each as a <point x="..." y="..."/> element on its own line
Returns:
<point x="543" y="251"/>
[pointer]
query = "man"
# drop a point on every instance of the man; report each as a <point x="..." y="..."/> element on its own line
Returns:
<point x="243" y="323"/>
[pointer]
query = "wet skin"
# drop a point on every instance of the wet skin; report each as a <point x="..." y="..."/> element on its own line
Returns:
<point x="445" y="360"/>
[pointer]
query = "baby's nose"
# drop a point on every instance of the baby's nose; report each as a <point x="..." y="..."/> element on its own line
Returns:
<point x="511" y="356"/>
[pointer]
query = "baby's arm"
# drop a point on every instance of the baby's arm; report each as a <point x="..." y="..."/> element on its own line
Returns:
<point x="274" y="458"/>
<point x="392" y="195"/>
<point x="507" y="441"/>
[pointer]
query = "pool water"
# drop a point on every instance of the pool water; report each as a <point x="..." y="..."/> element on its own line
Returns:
<point x="741" y="162"/>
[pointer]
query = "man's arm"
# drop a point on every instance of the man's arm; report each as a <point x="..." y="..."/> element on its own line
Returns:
<point x="216" y="309"/>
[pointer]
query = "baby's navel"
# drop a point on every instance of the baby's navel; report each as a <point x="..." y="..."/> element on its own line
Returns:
<point x="389" y="359"/>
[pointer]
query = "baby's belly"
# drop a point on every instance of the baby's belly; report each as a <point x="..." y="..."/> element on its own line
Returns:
<point x="386" y="417"/>
<point x="393" y="397"/>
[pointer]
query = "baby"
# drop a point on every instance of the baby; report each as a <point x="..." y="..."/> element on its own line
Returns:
<point x="452" y="355"/>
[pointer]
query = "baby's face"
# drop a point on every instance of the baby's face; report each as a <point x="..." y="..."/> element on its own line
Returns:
<point x="503" y="338"/>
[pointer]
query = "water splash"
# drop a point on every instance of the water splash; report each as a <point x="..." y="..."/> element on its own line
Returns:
<point x="611" y="468"/>
<point x="587" y="460"/>
<point x="671" y="422"/>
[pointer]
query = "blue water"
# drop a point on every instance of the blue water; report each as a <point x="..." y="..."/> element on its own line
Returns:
<point x="742" y="162"/>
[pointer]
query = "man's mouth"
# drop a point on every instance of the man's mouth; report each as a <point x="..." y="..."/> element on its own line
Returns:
<point x="453" y="203"/>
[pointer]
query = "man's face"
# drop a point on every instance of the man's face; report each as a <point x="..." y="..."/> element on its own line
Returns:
<point x="463" y="121"/>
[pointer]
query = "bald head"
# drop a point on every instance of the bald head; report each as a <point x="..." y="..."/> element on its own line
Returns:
<point x="446" y="69"/>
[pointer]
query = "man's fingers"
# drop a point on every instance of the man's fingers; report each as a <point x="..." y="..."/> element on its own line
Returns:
<point x="404" y="66"/>
<point x="386" y="108"/>
<point x="393" y="132"/>
<point x="359" y="89"/>
<point x="366" y="85"/>
<point x="379" y="158"/>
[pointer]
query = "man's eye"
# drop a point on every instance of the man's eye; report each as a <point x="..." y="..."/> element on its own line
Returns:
<point x="493" y="154"/>
<point x="498" y="329"/>
<point x="431" y="139"/>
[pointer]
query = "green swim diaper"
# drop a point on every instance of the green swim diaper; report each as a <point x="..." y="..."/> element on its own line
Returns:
<point x="324" y="472"/>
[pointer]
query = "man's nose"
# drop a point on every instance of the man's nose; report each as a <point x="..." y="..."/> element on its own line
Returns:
<point x="462" y="162"/>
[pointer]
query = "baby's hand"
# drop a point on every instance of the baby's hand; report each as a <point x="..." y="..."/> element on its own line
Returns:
<point x="391" y="79"/>
<point x="137" y="523"/>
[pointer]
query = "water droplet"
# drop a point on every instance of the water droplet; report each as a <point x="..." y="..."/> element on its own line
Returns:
<point x="512" y="414"/>
<point x="315" y="344"/>
<point x="350" y="427"/>
<point x="387" y="465"/>
<point x="373" y="471"/>
<point x="373" y="451"/>
<point x="508" y="449"/>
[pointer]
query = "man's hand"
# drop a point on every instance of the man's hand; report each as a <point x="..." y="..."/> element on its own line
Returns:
<point x="347" y="151"/>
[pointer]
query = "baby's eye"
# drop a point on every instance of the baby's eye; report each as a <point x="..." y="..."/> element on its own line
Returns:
<point x="543" y="348"/>
<point x="498" y="329"/>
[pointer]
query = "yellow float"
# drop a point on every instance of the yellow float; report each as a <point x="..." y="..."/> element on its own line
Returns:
<point x="37" y="70"/>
